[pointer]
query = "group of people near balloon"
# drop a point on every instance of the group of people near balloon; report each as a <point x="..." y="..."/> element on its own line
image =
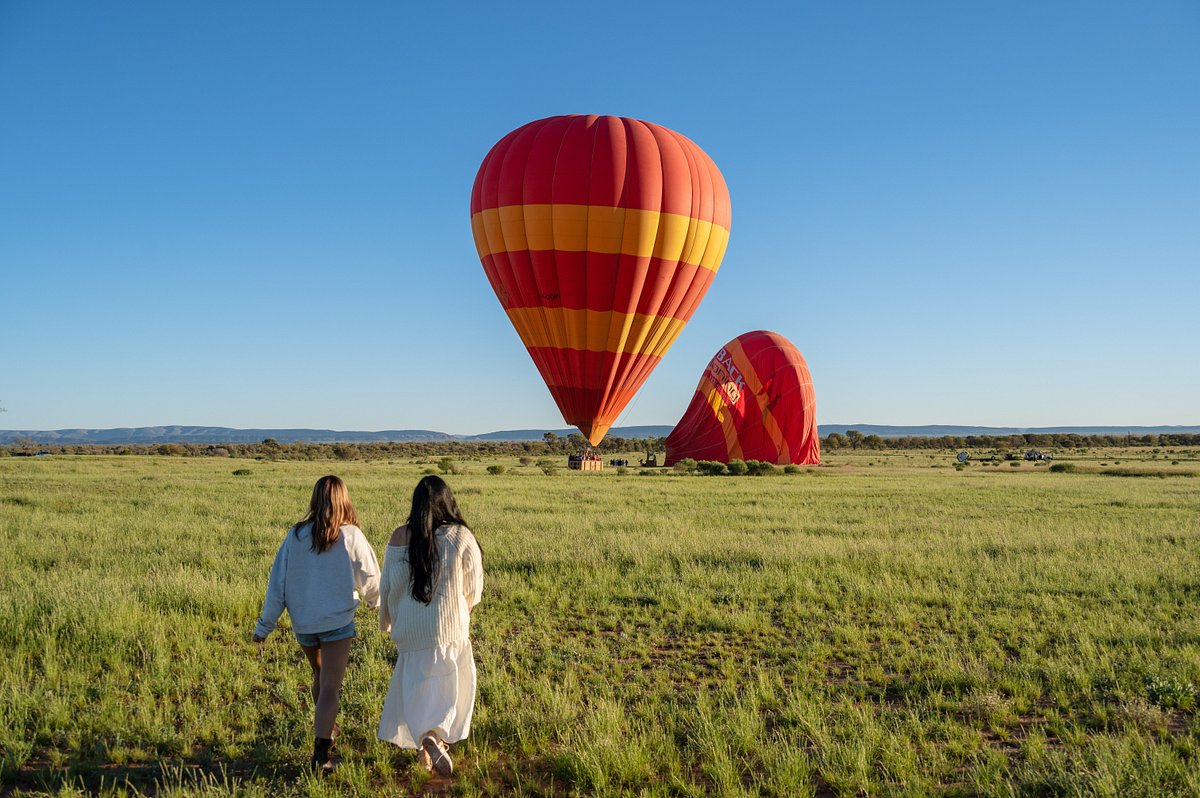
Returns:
<point x="432" y="578"/>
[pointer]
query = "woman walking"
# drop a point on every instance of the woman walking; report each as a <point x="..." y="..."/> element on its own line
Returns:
<point x="323" y="566"/>
<point x="432" y="578"/>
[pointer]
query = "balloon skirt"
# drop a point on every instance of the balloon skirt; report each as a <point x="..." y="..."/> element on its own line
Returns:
<point x="431" y="690"/>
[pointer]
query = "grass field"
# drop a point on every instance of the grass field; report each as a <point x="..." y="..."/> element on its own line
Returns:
<point x="881" y="625"/>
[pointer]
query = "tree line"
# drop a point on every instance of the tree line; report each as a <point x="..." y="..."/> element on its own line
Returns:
<point x="552" y="444"/>
<point x="853" y="439"/>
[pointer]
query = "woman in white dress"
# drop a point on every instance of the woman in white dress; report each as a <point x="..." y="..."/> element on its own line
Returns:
<point x="432" y="578"/>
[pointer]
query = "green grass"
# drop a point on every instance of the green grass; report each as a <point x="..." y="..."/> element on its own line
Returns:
<point x="872" y="626"/>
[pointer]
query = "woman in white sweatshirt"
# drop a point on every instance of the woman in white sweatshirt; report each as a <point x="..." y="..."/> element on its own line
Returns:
<point x="432" y="578"/>
<point x="324" y="565"/>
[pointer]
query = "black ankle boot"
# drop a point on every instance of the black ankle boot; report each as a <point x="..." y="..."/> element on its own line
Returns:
<point x="320" y="757"/>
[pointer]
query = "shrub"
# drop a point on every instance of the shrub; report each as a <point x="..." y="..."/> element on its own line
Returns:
<point x="1062" y="468"/>
<point x="622" y="471"/>
<point x="685" y="466"/>
<point x="760" y="468"/>
<point x="446" y="465"/>
<point x="495" y="470"/>
<point x="429" y="471"/>
<point x="242" y="472"/>
<point x="525" y="461"/>
<point x="736" y="467"/>
<point x="792" y="469"/>
<point x="710" y="468"/>
<point x="549" y="470"/>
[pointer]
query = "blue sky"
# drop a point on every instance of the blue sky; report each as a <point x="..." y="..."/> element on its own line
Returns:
<point x="256" y="214"/>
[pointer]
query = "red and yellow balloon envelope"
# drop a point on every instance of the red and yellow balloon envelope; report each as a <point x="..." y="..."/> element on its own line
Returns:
<point x="600" y="236"/>
<point x="755" y="401"/>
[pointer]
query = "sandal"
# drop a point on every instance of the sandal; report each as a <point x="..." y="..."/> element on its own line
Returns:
<point x="439" y="755"/>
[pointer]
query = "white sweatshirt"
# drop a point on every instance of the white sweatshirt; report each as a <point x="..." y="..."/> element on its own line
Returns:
<point x="320" y="591"/>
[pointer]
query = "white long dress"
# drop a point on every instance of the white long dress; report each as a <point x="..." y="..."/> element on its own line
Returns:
<point x="433" y="684"/>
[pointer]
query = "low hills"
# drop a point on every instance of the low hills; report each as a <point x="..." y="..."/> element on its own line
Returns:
<point x="218" y="435"/>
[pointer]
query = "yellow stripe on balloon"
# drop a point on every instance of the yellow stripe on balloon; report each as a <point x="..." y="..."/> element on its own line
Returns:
<point x="717" y="401"/>
<point x="595" y="330"/>
<point x="596" y="228"/>
<point x="754" y="388"/>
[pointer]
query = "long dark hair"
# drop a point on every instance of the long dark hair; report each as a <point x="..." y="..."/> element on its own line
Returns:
<point x="329" y="510"/>
<point x="433" y="506"/>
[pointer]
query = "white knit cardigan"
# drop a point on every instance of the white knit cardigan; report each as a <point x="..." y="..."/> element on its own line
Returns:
<point x="458" y="586"/>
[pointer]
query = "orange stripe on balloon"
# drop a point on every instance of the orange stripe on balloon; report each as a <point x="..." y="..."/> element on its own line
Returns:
<point x="595" y="330"/>
<point x="600" y="229"/>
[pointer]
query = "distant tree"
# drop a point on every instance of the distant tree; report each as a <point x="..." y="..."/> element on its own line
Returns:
<point x="854" y="437"/>
<point x="550" y="438"/>
<point x="836" y="440"/>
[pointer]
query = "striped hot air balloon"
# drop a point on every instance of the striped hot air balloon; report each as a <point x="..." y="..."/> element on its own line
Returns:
<point x="755" y="401"/>
<point x="600" y="236"/>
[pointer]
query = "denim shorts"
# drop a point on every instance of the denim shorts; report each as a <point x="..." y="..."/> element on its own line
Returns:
<point x="317" y="638"/>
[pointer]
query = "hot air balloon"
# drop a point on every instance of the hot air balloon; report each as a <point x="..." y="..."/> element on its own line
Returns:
<point x="600" y="235"/>
<point x="755" y="401"/>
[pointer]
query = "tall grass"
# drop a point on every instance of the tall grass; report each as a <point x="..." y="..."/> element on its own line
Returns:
<point x="883" y="629"/>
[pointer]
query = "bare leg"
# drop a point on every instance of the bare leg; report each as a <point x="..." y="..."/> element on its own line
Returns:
<point x="334" y="657"/>
<point x="314" y="661"/>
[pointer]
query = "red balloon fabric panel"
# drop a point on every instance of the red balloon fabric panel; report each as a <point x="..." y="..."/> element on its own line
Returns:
<point x="755" y="401"/>
<point x="600" y="235"/>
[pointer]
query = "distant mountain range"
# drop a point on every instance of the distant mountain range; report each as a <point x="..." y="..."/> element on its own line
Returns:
<point x="217" y="435"/>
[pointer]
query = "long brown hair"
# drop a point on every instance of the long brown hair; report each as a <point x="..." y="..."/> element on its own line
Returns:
<point x="433" y="506"/>
<point x="328" y="510"/>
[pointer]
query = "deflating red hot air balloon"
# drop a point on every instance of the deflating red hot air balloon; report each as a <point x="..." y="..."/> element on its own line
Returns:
<point x="600" y="236"/>
<point x="755" y="401"/>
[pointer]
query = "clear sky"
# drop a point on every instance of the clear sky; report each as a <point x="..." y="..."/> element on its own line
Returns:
<point x="256" y="214"/>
